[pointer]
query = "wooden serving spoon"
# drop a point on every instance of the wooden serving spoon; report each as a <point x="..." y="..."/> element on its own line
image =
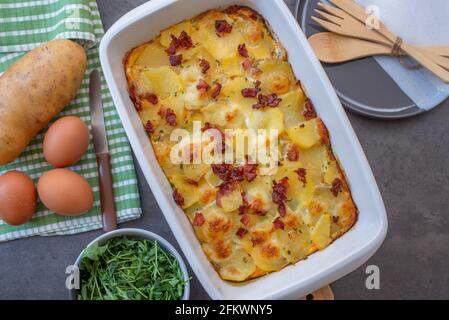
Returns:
<point x="324" y="293"/>
<point x="334" y="48"/>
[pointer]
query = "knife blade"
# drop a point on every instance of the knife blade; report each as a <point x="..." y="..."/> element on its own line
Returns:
<point x="102" y="153"/>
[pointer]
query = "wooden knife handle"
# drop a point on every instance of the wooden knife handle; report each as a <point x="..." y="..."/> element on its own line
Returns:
<point x="106" y="193"/>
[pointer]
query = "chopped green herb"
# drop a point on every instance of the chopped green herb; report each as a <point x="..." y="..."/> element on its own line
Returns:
<point x="129" y="269"/>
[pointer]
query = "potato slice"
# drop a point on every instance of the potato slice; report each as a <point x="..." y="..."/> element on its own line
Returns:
<point x="295" y="243"/>
<point x="320" y="234"/>
<point x="220" y="47"/>
<point x="272" y="118"/>
<point x="212" y="179"/>
<point x="162" y="81"/>
<point x="223" y="114"/>
<point x="232" y="66"/>
<point x="176" y="103"/>
<point x="331" y="171"/>
<point x="218" y="224"/>
<point x="187" y="190"/>
<point x="233" y="90"/>
<point x="268" y="255"/>
<point x="291" y="105"/>
<point x="195" y="172"/>
<point x="236" y="266"/>
<point x="276" y="77"/>
<point x="206" y="192"/>
<point x="153" y="55"/>
<point x="306" y="134"/>
<point x="176" y="31"/>
<point x="230" y="200"/>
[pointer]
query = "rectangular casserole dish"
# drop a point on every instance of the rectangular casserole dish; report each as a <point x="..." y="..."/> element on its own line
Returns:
<point x="341" y="257"/>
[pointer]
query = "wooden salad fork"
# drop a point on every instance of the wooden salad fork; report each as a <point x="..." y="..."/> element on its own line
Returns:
<point x="352" y="24"/>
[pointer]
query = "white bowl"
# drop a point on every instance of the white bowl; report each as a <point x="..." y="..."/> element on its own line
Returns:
<point x="321" y="268"/>
<point x="140" y="234"/>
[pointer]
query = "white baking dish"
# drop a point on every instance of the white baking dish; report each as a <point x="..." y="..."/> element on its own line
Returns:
<point x="322" y="268"/>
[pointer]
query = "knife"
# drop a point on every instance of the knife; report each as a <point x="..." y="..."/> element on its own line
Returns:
<point x="102" y="153"/>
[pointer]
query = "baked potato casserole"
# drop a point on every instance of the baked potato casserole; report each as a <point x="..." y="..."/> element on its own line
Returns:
<point x="226" y="70"/>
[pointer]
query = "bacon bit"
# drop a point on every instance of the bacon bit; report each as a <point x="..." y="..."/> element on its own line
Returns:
<point x="242" y="50"/>
<point x="335" y="219"/>
<point x="293" y="153"/>
<point x="176" y="60"/>
<point x="250" y="171"/>
<point x="179" y="199"/>
<point x="309" y="112"/>
<point x="247" y="63"/>
<point x="256" y="240"/>
<point x="243" y="209"/>
<point x="223" y="190"/>
<point x="241" y="232"/>
<point x="226" y="188"/>
<point x="206" y="127"/>
<point x="260" y="213"/>
<point x="205" y="65"/>
<point x="282" y="210"/>
<point x="199" y="219"/>
<point x="203" y="86"/>
<point x="245" y="219"/>
<point x="337" y="187"/>
<point x="216" y="90"/>
<point x="279" y="195"/>
<point x="171" y="50"/>
<point x="137" y="105"/>
<point x="252" y="92"/>
<point x="222" y="26"/>
<point x="271" y="100"/>
<point x="184" y="40"/>
<point x="132" y="96"/>
<point x="170" y="117"/>
<point x="227" y="172"/>
<point x="280" y="191"/>
<point x="278" y="224"/>
<point x="301" y="172"/>
<point x="149" y="128"/>
<point x="151" y="97"/>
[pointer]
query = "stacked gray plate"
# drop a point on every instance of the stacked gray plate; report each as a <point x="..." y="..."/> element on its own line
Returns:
<point x="362" y="85"/>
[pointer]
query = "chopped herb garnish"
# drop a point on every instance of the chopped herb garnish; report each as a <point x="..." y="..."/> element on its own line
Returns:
<point x="129" y="269"/>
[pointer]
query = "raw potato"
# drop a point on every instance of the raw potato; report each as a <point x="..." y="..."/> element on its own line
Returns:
<point x="34" y="90"/>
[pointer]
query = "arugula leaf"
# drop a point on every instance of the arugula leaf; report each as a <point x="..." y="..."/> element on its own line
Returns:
<point x="130" y="269"/>
<point x="94" y="251"/>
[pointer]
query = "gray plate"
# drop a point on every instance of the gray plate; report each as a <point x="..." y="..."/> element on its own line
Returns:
<point x="362" y="85"/>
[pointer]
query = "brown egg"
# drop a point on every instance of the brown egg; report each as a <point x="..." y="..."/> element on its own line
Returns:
<point x="18" y="198"/>
<point x="66" y="142"/>
<point x="65" y="192"/>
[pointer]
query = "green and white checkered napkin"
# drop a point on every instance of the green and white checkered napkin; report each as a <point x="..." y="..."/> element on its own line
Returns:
<point x="24" y="24"/>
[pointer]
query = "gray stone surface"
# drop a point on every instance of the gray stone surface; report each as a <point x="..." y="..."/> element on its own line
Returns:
<point x="410" y="162"/>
